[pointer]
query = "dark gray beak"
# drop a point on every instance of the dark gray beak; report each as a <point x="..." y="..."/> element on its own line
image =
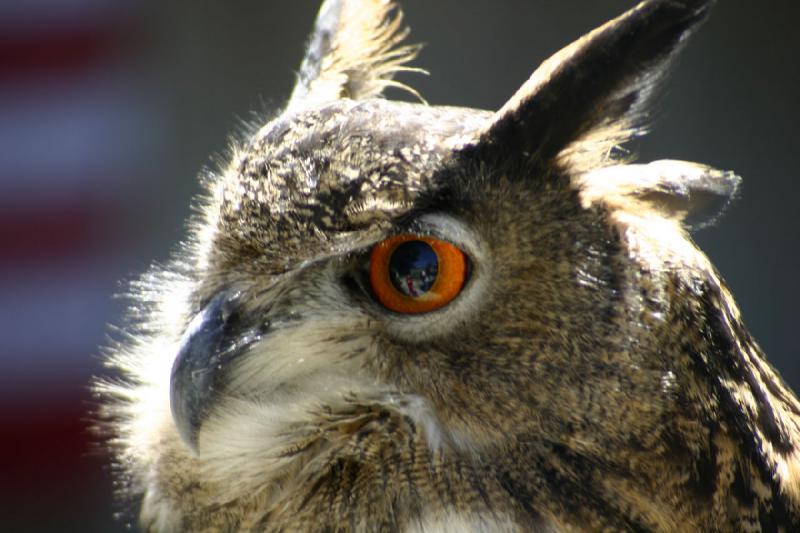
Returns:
<point x="213" y="340"/>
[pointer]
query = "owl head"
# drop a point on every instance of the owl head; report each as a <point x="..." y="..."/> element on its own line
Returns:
<point x="394" y="283"/>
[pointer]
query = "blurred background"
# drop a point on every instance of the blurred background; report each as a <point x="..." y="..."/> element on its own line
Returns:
<point x="110" y="108"/>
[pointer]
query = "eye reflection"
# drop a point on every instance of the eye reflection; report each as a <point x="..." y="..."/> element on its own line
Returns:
<point x="416" y="273"/>
<point x="413" y="268"/>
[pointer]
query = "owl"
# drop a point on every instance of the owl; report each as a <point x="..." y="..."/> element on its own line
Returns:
<point x="391" y="316"/>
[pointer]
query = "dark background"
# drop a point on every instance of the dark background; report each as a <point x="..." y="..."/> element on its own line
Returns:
<point x="109" y="109"/>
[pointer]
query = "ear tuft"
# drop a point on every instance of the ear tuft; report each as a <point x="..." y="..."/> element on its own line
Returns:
<point x="693" y="194"/>
<point x="354" y="52"/>
<point x="592" y="96"/>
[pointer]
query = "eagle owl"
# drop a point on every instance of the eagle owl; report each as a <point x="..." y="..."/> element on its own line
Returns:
<point x="391" y="316"/>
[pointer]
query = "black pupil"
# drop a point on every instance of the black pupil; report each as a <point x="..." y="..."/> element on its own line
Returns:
<point x="413" y="268"/>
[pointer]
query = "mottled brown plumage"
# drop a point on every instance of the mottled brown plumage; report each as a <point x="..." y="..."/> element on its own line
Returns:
<point x="593" y="373"/>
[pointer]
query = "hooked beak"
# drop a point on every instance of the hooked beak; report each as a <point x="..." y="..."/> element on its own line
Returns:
<point x="213" y="340"/>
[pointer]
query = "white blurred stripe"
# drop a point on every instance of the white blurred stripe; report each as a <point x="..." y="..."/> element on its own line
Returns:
<point x="22" y="14"/>
<point x="62" y="136"/>
<point x="57" y="314"/>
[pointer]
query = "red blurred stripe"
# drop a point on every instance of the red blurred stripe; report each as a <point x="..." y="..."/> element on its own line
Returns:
<point x="58" y="50"/>
<point x="50" y="233"/>
<point x="47" y="438"/>
<point x="46" y="444"/>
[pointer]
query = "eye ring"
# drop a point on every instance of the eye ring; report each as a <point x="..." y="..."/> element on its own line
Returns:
<point x="412" y="274"/>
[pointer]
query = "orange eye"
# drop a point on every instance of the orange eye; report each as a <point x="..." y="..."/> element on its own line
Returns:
<point x="416" y="274"/>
